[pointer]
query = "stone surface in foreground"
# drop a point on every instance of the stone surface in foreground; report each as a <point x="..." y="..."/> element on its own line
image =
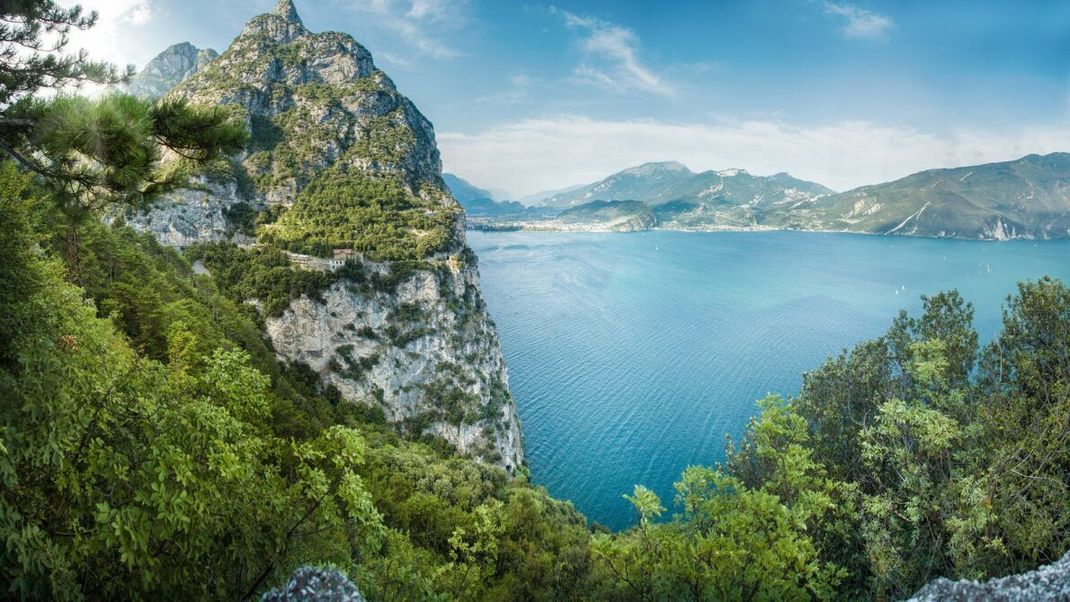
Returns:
<point x="1050" y="582"/>
<point x="310" y="583"/>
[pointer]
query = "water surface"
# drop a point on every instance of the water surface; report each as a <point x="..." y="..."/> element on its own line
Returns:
<point x="631" y="356"/>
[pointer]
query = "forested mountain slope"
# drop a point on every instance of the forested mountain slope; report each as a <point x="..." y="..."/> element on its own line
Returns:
<point x="339" y="162"/>
<point x="1028" y="197"/>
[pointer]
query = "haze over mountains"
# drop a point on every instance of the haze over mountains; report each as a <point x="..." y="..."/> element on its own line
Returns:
<point x="479" y="202"/>
<point x="168" y="69"/>
<point x="1024" y="198"/>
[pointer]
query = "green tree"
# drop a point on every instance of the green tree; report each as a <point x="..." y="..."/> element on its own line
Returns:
<point x="92" y="152"/>
<point x="1025" y="380"/>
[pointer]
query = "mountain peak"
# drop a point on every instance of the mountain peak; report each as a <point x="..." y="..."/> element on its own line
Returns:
<point x="287" y="10"/>
<point x="653" y="167"/>
<point x="282" y="24"/>
<point x="168" y="69"/>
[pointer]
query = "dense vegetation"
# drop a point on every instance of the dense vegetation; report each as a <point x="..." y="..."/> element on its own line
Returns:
<point x="264" y="274"/>
<point x="375" y="216"/>
<point x="912" y="456"/>
<point x="160" y="450"/>
<point x="151" y="446"/>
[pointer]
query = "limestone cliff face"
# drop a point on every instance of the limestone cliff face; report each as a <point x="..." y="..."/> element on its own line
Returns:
<point x="421" y="348"/>
<point x="196" y="214"/>
<point x="425" y="352"/>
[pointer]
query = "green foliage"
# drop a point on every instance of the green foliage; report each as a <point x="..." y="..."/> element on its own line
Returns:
<point x="953" y="471"/>
<point x="376" y="217"/>
<point x="264" y="274"/>
<point x="124" y="474"/>
<point x="646" y="503"/>
<point x="1025" y="379"/>
<point x="386" y="139"/>
<point x="241" y="219"/>
<point x="98" y="151"/>
<point x="144" y="454"/>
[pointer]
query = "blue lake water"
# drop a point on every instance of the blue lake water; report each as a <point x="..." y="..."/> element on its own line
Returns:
<point x="631" y="356"/>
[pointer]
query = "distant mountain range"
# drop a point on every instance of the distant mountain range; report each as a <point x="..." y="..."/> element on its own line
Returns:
<point x="538" y="197"/>
<point x="478" y="202"/>
<point x="1025" y="198"/>
<point x="671" y="182"/>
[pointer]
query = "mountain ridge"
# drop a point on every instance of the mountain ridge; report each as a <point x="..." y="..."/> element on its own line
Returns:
<point x="1028" y="197"/>
<point x="478" y="202"/>
<point x="168" y="69"/>
<point x="664" y="182"/>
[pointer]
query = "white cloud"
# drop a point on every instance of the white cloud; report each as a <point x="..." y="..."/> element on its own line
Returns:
<point x="104" y="41"/>
<point x="532" y="155"/>
<point x="617" y="48"/>
<point x="419" y="23"/>
<point x="861" y="23"/>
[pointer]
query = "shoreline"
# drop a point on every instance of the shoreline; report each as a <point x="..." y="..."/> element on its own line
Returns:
<point x="555" y="227"/>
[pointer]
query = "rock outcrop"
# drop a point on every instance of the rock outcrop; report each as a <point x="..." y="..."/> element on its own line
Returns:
<point x="168" y="69"/>
<point x="425" y="352"/>
<point x="1050" y="582"/>
<point x="311" y="583"/>
<point x="422" y="348"/>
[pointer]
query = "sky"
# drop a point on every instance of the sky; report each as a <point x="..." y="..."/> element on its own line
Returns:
<point x="530" y="96"/>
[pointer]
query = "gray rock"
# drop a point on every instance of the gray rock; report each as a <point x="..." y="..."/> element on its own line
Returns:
<point x="191" y="215"/>
<point x="168" y="69"/>
<point x="310" y="583"/>
<point x="1050" y="582"/>
<point x="346" y="338"/>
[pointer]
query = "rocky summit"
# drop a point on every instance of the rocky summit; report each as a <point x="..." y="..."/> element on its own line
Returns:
<point x="168" y="69"/>
<point x="342" y="169"/>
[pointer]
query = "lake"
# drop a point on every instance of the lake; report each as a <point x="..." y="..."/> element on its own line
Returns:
<point x="632" y="356"/>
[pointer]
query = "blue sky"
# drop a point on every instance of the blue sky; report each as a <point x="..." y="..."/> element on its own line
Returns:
<point x="527" y="96"/>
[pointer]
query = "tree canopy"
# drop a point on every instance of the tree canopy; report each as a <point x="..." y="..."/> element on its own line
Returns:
<point x="92" y="151"/>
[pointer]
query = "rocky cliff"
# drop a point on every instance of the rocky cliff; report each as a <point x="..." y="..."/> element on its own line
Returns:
<point x="340" y="160"/>
<point x="425" y="352"/>
<point x="168" y="69"/>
